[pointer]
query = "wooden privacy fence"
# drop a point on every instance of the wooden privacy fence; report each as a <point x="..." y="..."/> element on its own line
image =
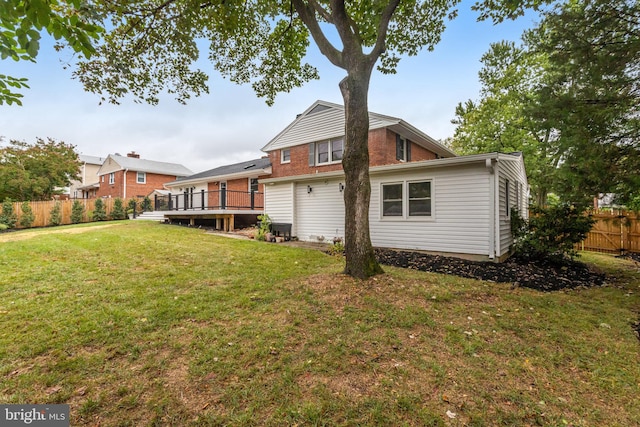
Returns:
<point x="615" y="231"/>
<point x="42" y="210"/>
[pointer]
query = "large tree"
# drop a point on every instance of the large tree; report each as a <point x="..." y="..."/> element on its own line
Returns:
<point x="70" y="22"/>
<point x="36" y="171"/>
<point x="568" y="98"/>
<point x="153" y="45"/>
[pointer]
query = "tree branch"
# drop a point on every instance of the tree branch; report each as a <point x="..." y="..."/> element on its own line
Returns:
<point x="383" y="28"/>
<point x="308" y="15"/>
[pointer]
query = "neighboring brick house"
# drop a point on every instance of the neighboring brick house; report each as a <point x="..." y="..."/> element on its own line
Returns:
<point x="130" y="176"/>
<point x="423" y="196"/>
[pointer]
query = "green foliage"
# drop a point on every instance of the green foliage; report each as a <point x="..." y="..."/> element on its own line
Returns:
<point x="27" y="218"/>
<point x="8" y="217"/>
<point x="55" y="216"/>
<point x="3" y="227"/>
<point x="118" y="211"/>
<point x="147" y="206"/>
<point x="264" y="228"/>
<point x="37" y="171"/>
<point x="132" y="206"/>
<point x="336" y="248"/>
<point x="77" y="212"/>
<point x="99" y="211"/>
<point x="21" y="24"/>
<point x="550" y="233"/>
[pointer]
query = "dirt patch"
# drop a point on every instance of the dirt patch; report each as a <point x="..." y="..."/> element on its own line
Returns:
<point x="12" y="237"/>
<point x="543" y="276"/>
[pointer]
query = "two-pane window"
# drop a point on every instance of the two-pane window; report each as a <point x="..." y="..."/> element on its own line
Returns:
<point x="141" y="178"/>
<point x="112" y="178"/>
<point x="326" y="152"/>
<point x="285" y="155"/>
<point x="253" y="184"/>
<point x="407" y="199"/>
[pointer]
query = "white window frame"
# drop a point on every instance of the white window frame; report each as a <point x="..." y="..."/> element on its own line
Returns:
<point x="430" y="198"/>
<point x="112" y="178"/>
<point x="282" y="156"/>
<point x="330" y="159"/>
<point x="405" y="201"/>
<point x="144" y="178"/>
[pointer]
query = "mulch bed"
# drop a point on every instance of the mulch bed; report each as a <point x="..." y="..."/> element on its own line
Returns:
<point x="543" y="276"/>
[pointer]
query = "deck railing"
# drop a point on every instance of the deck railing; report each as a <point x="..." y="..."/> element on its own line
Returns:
<point x="210" y="200"/>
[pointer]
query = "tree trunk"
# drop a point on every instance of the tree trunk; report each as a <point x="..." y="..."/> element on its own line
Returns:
<point x="360" y="258"/>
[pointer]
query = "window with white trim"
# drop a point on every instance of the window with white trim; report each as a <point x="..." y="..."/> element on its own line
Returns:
<point x="392" y="199"/>
<point x="285" y="155"/>
<point x="403" y="149"/>
<point x="141" y="178"/>
<point x="326" y="152"/>
<point x="112" y="178"/>
<point x="407" y="199"/>
<point x="253" y="184"/>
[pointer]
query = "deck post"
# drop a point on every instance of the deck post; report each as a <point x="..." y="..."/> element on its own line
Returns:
<point x="253" y="197"/>
<point x="170" y="204"/>
<point x="202" y="199"/>
<point x="186" y="200"/>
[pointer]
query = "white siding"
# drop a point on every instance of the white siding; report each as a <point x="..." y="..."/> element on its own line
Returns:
<point x="279" y="203"/>
<point x="460" y="212"/>
<point x="513" y="171"/>
<point x="320" y="212"/>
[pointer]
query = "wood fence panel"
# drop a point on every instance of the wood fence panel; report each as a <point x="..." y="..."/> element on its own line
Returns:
<point x="42" y="210"/>
<point x="614" y="232"/>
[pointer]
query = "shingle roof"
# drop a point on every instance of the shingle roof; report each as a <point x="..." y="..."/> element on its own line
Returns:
<point x="248" y="166"/>
<point x="92" y="160"/>
<point x="151" y="166"/>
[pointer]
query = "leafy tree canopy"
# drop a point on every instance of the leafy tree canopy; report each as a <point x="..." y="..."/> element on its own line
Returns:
<point x="70" y="22"/>
<point x="36" y="171"/>
<point x="568" y="98"/>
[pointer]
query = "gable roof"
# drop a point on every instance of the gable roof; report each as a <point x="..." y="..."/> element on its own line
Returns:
<point x="141" y="165"/>
<point x="91" y="160"/>
<point x="249" y="168"/>
<point x="325" y="120"/>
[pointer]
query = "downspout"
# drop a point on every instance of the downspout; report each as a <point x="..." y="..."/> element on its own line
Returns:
<point x="492" y="206"/>
<point x="497" y="208"/>
<point x="124" y="187"/>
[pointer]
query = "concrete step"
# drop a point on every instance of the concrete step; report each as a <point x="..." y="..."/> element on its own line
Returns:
<point x="151" y="216"/>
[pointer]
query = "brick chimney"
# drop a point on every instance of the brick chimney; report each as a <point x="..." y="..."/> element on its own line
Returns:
<point x="133" y="154"/>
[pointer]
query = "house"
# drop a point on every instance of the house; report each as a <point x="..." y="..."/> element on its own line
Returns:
<point x="87" y="186"/>
<point x="130" y="176"/>
<point x="423" y="196"/>
<point x="225" y="197"/>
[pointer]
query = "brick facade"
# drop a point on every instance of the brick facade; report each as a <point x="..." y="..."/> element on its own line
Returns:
<point x="242" y="198"/>
<point x="133" y="188"/>
<point x="382" y="151"/>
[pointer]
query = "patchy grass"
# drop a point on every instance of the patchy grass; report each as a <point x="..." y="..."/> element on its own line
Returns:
<point x="145" y="324"/>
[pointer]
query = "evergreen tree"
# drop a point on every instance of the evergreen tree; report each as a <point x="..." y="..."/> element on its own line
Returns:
<point x="27" y="218"/>
<point x="77" y="212"/>
<point x="118" y="211"/>
<point x="55" y="216"/>
<point x="8" y="217"/>
<point x="99" y="211"/>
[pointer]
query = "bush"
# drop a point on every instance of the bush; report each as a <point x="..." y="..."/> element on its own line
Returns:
<point x="77" y="211"/>
<point x="264" y="227"/>
<point x="132" y="207"/>
<point x="551" y="233"/>
<point x="27" y="218"/>
<point x="118" y="211"/>
<point x="3" y="227"/>
<point x="55" y="216"/>
<point x="99" y="212"/>
<point x="8" y="217"/>
<point x="146" y="204"/>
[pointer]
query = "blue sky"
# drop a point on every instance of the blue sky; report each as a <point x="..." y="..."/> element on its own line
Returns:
<point x="231" y="124"/>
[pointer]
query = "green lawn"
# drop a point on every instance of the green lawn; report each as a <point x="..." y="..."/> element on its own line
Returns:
<point x="136" y="323"/>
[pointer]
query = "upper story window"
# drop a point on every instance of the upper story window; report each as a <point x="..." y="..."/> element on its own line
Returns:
<point x="285" y="155"/>
<point x="322" y="153"/>
<point x="112" y="178"/>
<point x="141" y="178"/>
<point x="253" y="184"/>
<point x="403" y="149"/>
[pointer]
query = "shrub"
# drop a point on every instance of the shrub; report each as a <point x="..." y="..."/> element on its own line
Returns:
<point x="132" y="206"/>
<point x="118" y="211"/>
<point x="3" y="227"/>
<point x="146" y="204"/>
<point x="27" y="218"/>
<point x="550" y="233"/>
<point x="55" y="216"/>
<point x="99" y="212"/>
<point x="8" y="217"/>
<point x="77" y="211"/>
